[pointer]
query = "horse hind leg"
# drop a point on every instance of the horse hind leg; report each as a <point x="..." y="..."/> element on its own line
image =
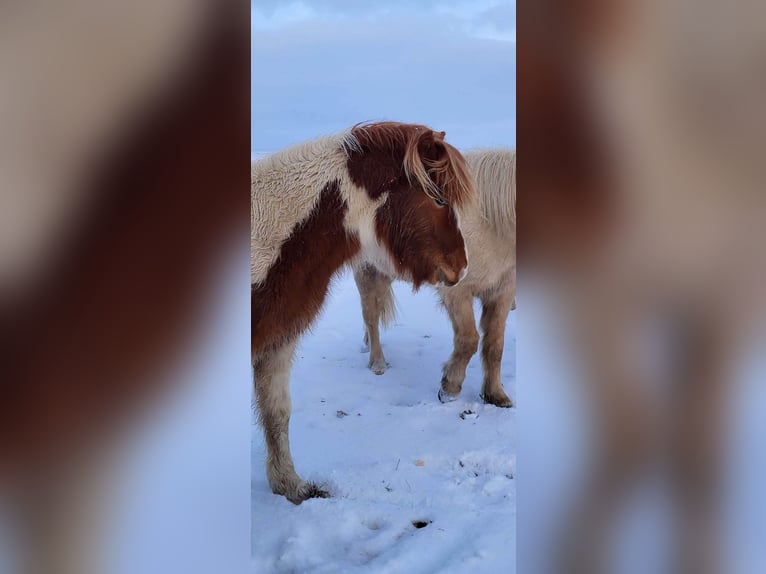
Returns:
<point x="377" y="306"/>
<point x="272" y="391"/>
<point x="459" y="304"/>
<point x="495" y="309"/>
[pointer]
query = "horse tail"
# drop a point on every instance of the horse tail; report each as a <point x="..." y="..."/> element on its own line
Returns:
<point x="387" y="305"/>
<point x="376" y="293"/>
<point x="494" y="172"/>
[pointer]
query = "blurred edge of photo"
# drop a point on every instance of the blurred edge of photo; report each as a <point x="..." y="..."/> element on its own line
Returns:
<point x="125" y="395"/>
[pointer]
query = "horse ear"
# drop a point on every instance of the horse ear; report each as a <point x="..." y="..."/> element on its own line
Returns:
<point x="431" y="143"/>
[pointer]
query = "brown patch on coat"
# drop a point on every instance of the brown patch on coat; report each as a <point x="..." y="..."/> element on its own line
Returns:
<point x="422" y="237"/>
<point x="290" y="298"/>
<point x="418" y="170"/>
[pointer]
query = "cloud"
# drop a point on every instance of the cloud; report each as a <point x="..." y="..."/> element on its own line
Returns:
<point x="497" y="22"/>
<point x="476" y="15"/>
<point x="355" y="8"/>
<point x="320" y="74"/>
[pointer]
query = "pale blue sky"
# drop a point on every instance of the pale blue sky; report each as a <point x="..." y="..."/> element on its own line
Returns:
<point x="321" y="66"/>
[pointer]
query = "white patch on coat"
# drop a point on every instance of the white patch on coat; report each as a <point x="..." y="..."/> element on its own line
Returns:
<point x="285" y="188"/>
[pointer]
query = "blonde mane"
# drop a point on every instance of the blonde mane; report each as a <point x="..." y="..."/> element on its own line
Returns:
<point x="446" y="178"/>
<point x="494" y="173"/>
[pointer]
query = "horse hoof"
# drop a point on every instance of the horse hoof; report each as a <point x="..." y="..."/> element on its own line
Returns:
<point x="306" y="491"/>
<point x="446" y="398"/>
<point x="378" y="367"/>
<point x="501" y="400"/>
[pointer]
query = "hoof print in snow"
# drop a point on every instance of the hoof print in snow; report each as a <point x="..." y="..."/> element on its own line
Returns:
<point x="468" y="415"/>
<point x="420" y="523"/>
<point x="341" y="414"/>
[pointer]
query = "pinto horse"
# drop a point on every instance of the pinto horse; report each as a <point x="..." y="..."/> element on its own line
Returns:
<point x="386" y="193"/>
<point x="489" y="227"/>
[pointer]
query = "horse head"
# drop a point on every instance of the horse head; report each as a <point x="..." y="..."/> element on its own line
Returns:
<point x="424" y="183"/>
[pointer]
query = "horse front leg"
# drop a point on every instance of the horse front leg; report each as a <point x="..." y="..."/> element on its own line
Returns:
<point x="459" y="303"/>
<point x="495" y="309"/>
<point x="62" y="510"/>
<point x="272" y="391"/>
<point x="624" y="420"/>
<point x="699" y="423"/>
<point x="377" y="297"/>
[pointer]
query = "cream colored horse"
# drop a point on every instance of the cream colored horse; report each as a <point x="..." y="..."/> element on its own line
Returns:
<point x="489" y="229"/>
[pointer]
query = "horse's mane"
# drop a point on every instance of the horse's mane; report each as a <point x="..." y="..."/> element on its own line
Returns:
<point x="494" y="173"/>
<point x="445" y="178"/>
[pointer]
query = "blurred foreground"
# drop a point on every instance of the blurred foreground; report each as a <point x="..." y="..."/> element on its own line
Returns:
<point x="642" y="227"/>
<point x="641" y="235"/>
<point x="123" y="211"/>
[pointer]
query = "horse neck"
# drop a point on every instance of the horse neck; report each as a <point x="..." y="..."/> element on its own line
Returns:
<point x="290" y="297"/>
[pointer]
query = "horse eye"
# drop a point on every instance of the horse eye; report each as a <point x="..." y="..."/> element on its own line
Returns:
<point x="440" y="202"/>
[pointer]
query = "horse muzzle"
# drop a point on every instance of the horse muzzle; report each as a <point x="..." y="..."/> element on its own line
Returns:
<point x="454" y="280"/>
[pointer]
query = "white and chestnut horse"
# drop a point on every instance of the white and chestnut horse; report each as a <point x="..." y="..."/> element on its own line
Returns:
<point x="385" y="193"/>
<point x="489" y="228"/>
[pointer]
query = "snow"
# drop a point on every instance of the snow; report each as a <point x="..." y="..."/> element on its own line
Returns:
<point x="394" y="456"/>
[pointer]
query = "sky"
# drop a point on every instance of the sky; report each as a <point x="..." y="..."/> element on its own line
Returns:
<point x="321" y="66"/>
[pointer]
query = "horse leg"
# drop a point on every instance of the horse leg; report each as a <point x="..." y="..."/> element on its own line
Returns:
<point x="459" y="303"/>
<point x="61" y="513"/>
<point x="696" y="442"/>
<point x="625" y="424"/>
<point x="377" y="298"/>
<point x="495" y="309"/>
<point x="272" y="390"/>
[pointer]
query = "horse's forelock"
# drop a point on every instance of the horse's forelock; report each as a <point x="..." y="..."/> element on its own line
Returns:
<point x="450" y="174"/>
<point x="445" y="177"/>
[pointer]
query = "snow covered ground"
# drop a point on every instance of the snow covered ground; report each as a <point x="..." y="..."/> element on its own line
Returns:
<point x="392" y="456"/>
